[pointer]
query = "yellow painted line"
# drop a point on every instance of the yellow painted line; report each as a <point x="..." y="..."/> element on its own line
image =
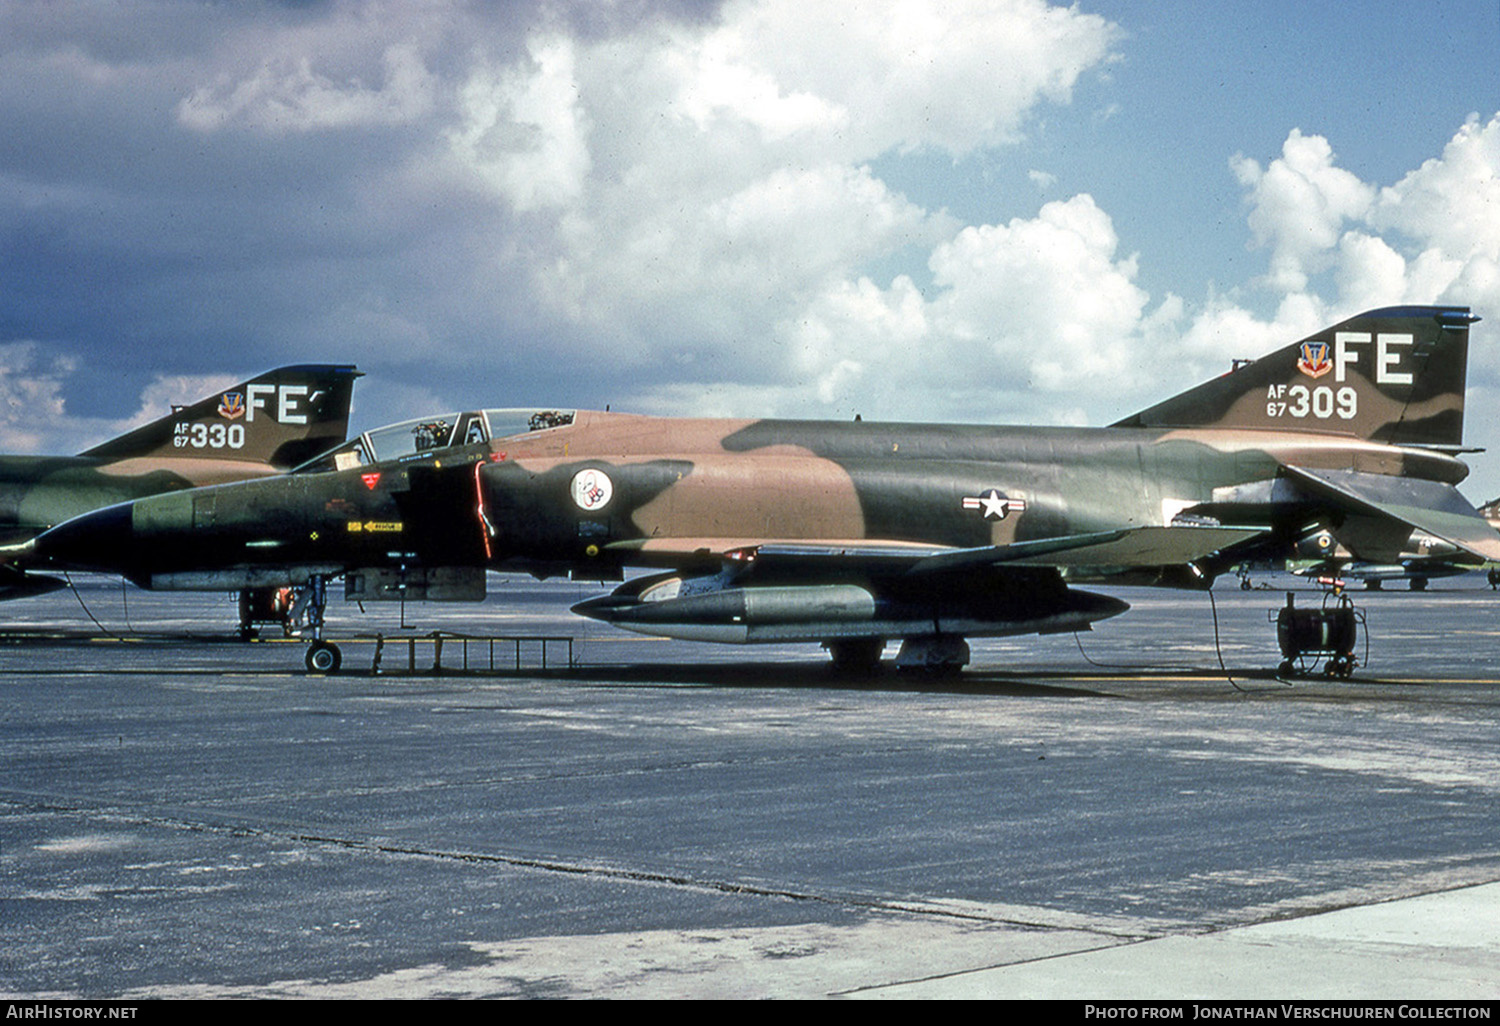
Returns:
<point x="612" y="640"/>
<point x="1427" y="680"/>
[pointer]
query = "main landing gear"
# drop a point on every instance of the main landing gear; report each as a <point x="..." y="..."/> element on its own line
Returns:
<point x="936" y="655"/>
<point x="856" y="656"/>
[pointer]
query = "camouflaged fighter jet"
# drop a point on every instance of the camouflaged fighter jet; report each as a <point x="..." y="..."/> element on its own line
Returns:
<point x="1423" y="559"/>
<point x="851" y="534"/>
<point x="266" y="425"/>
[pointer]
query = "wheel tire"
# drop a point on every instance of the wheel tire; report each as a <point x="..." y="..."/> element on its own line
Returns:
<point x="324" y="657"/>
<point x="857" y="656"/>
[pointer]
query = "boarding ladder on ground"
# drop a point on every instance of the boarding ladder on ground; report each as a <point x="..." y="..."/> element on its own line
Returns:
<point x="442" y="652"/>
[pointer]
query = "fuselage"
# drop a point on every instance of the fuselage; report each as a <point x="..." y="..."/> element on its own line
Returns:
<point x="603" y="491"/>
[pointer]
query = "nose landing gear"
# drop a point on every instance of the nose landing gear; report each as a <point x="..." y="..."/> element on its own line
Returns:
<point x="322" y="656"/>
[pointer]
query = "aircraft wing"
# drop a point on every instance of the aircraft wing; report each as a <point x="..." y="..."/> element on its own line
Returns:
<point x="849" y="592"/>
<point x="864" y="553"/>
<point x="1125" y="548"/>
<point x="1430" y="506"/>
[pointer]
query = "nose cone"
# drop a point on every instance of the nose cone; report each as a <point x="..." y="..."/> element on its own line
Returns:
<point x="1094" y="606"/>
<point x="103" y="540"/>
<point x="606" y="607"/>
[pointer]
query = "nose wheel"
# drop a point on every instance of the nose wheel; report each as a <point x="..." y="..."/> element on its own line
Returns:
<point x="324" y="657"/>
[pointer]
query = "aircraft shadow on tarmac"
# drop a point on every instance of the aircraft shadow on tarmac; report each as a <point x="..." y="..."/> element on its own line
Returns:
<point x="1088" y="678"/>
<point x="798" y="675"/>
<point x="749" y="674"/>
<point x="1064" y="683"/>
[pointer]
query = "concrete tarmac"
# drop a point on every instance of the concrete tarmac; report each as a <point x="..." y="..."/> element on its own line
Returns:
<point x="1144" y="812"/>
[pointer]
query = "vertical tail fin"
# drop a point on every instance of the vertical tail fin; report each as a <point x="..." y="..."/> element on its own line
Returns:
<point x="279" y="419"/>
<point x="1394" y="375"/>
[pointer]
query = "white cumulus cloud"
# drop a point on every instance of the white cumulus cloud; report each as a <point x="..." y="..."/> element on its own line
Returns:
<point x="1300" y="203"/>
<point x="523" y="130"/>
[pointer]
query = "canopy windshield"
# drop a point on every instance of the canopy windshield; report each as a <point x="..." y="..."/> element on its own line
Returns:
<point x="444" y="431"/>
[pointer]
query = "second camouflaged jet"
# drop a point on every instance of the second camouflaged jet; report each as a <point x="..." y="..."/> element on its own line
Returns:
<point x="1424" y="558"/>
<point x="266" y="425"/>
<point x="850" y="533"/>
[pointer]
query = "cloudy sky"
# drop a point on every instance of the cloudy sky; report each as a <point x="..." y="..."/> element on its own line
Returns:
<point x="975" y="210"/>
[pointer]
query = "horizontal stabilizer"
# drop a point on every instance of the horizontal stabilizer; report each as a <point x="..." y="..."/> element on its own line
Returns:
<point x="1430" y="506"/>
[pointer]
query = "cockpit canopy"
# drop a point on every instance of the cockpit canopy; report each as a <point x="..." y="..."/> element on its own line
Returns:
<point x="429" y="434"/>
